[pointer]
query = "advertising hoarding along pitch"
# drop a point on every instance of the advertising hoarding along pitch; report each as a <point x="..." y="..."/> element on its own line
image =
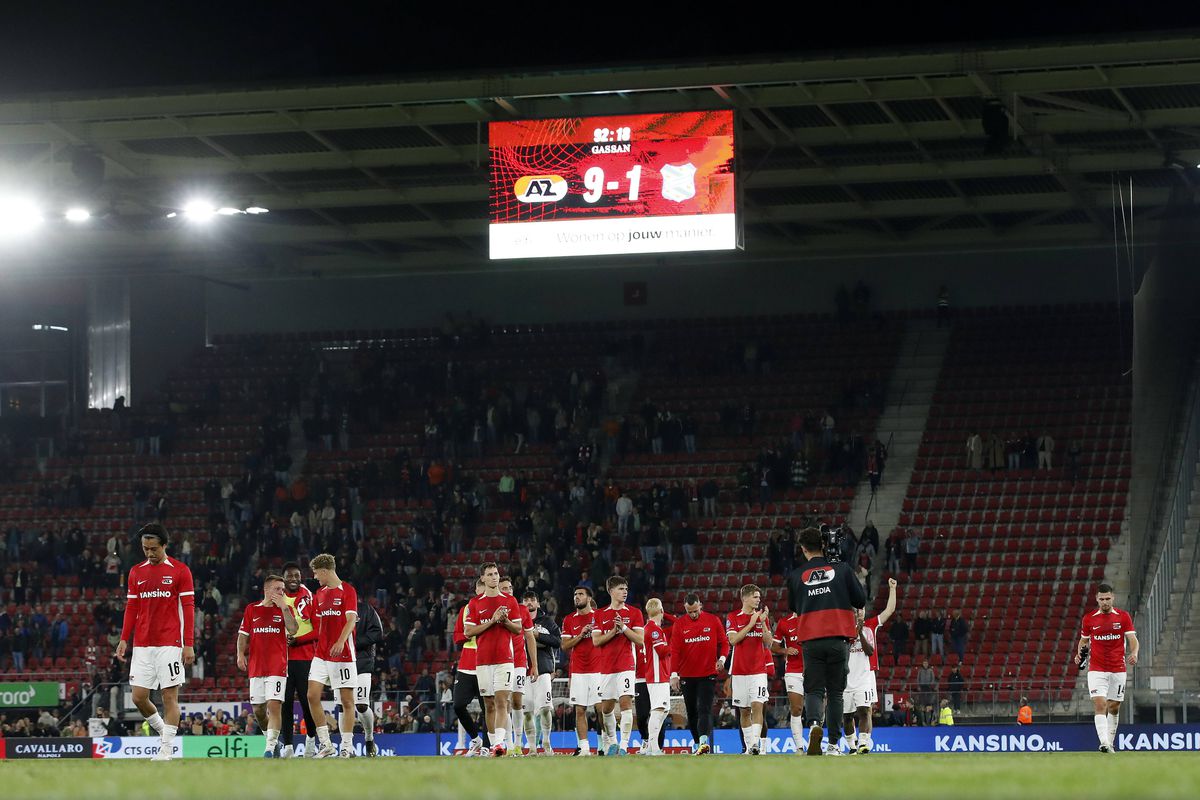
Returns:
<point x="587" y="186"/>
<point x="29" y="695"/>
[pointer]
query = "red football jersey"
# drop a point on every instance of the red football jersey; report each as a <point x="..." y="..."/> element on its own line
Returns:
<point x="466" y="659"/>
<point x="330" y="609"/>
<point x="495" y="645"/>
<point x="618" y="655"/>
<point x="304" y="645"/>
<point x="787" y="633"/>
<point x="520" y="654"/>
<point x="658" y="654"/>
<point x="747" y="654"/>
<point x="1107" y="635"/>
<point x="583" y="655"/>
<point x="872" y="624"/>
<point x="696" y="644"/>
<point x="268" y="650"/>
<point x="160" y="605"/>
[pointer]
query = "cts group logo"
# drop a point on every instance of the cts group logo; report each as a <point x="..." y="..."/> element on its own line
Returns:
<point x="131" y="747"/>
<point x="540" y="188"/>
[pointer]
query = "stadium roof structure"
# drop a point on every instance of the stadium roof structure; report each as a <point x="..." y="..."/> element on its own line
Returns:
<point x="860" y="153"/>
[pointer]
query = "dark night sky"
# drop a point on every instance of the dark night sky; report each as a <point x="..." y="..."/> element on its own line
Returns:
<point x="133" y="43"/>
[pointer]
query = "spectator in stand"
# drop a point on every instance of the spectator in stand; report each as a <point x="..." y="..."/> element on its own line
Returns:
<point x="745" y="477"/>
<point x="661" y="569"/>
<point x="416" y="642"/>
<point x="873" y="471"/>
<point x="959" y="628"/>
<point x="955" y="684"/>
<point x="708" y="497"/>
<point x="920" y="632"/>
<point x="912" y="547"/>
<point x="1045" y="451"/>
<point x="926" y="685"/>
<point x="1012" y="450"/>
<point x="995" y="453"/>
<point x="975" y="452"/>
<point x="1074" y="459"/>
<point x="894" y="548"/>
<point x="624" y="509"/>
<point x="937" y="634"/>
<point x="688" y="538"/>
<point x="899" y="636"/>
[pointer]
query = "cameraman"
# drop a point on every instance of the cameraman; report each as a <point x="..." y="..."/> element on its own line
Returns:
<point x="825" y="596"/>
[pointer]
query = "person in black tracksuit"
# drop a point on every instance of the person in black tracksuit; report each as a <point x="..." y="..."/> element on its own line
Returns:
<point x="368" y="633"/>
<point x="300" y="655"/>
<point x="825" y="597"/>
<point x="548" y="635"/>
<point x="466" y="685"/>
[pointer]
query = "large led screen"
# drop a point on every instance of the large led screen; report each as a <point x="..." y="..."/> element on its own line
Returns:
<point x="589" y="186"/>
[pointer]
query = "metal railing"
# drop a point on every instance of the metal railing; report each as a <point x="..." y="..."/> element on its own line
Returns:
<point x="1158" y="597"/>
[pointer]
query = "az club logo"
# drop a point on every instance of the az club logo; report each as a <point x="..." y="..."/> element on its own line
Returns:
<point x="540" y="188"/>
<point x="818" y="575"/>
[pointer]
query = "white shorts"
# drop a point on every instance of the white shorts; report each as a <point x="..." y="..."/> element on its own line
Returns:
<point x="749" y="689"/>
<point x="495" y="678"/>
<point x="334" y="674"/>
<point x="156" y="667"/>
<point x="660" y="695"/>
<point x="520" y="679"/>
<point x="860" y="694"/>
<point x="585" y="689"/>
<point x="1109" y="685"/>
<point x="362" y="692"/>
<point x="542" y="691"/>
<point x="794" y="682"/>
<point x="267" y="688"/>
<point x="617" y="685"/>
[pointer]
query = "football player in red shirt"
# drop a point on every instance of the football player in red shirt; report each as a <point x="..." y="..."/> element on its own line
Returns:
<point x="657" y="671"/>
<point x="525" y="673"/>
<point x="787" y="644"/>
<point x="335" y="610"/>
<point x="577" y="641"/>
<point x="263" y="634"/>
<point x="749" y="633"/>
<point x="618" y="632"/>
<point x="862" y="724"/>
<point x="492" y="619"/>
<point x="160" y="619"/>
<point x="1109" y="630"/>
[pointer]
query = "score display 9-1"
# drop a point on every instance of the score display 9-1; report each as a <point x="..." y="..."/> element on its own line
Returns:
<point x="606" y="185"/>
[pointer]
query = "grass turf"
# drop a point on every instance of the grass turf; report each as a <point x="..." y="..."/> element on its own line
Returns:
<point x="962" y="776"/>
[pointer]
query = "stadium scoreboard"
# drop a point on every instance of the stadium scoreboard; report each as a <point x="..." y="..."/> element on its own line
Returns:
<point x="590" y="186"/>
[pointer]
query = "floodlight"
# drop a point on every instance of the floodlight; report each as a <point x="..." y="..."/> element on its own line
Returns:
<point x="18" y="215"/>
<point x="78" y="215"/>
<point x="199" y="210"/>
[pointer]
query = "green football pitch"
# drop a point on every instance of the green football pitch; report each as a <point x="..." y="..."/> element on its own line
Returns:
<point x="967" y="777"/>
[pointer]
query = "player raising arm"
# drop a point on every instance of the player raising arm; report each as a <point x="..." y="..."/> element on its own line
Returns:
<point x="262" y="652"/>
<point x="1114" y="644"/>
<point x="160" y="619"/>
